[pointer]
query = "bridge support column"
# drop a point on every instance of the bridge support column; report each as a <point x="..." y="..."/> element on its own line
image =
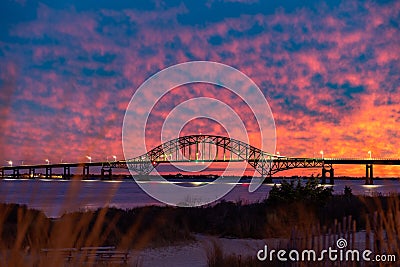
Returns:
<point x="85" y="170"/>
<point x="268" y="179"/>
<point x="2" y="173"/>
<point x="106" y="171"/>
<point x="331" y="175"/>
<point x="15" y="173"/>
<point x="67" y="172"/>
<point x="323" y="176"/>
<point x="49" y="172"/>
<point x="32" y="173"/>
<point x="369" y="174"/>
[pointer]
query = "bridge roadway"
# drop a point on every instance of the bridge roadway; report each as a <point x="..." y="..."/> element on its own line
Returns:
<point x="279" y="163"/>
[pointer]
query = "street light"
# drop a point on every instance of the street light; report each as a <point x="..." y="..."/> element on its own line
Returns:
<point x="277" y="152"/>
<point x="370" y="154"/>
<point x="115" y="158"/>
<point x="89" y="158"/>
<point x="47" y="161"/>
<point x="10" y="163"/>
<point x="322" y="153"/>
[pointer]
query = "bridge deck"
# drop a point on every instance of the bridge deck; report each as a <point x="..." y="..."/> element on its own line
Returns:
<point x="116" y="164"/>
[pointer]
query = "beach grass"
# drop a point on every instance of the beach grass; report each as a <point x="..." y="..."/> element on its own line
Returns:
<point x="25" y="232"/>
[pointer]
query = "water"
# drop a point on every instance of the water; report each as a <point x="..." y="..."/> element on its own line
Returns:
<point x="56" y="197"/>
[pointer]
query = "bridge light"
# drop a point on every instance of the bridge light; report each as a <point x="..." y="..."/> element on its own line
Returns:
<point x="322" y="153"/>
<point x="10" y="163"/>
<point x="370" y="154"/>
<point x="89" y="158"/>
<point x="47" y="161"/>
<point x="115" y="158"/>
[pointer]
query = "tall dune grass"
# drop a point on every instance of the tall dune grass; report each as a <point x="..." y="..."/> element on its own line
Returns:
<point x="379" y="219"/>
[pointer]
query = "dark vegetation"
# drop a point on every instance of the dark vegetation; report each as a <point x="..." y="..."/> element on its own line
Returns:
<point x="292" y="204"/>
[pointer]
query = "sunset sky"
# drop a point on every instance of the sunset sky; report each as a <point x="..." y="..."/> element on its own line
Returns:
<point x="330" y="71"/>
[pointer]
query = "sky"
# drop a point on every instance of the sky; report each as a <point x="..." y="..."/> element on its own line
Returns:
<point x="328" y="69"/>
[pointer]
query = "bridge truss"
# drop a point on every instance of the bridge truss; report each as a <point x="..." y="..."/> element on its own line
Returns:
<point x="212" y="148"/>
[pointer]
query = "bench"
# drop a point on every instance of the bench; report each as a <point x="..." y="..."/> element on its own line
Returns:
<point x="97" y="248"/>
<point x="112" y="256"/>
<point x="67" y="253"/>
<point x="92" y="254"/>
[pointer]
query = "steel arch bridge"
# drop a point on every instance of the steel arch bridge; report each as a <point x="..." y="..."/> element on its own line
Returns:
<point x="213" y="148"/>
<point x="207" y="148"/>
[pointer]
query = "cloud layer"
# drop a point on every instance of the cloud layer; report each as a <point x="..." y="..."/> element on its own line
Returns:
<point x="329" y="72"/>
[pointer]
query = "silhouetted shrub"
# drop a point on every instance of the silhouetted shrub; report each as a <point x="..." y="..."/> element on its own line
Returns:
<point x="289" y="192"/>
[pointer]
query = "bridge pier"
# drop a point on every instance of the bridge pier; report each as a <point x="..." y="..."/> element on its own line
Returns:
<point x="268" y="179"/>
<point x="2" y="173"/>
<point x="106" y="171"/>
<point x="49" y="172"/>
<point x="15" y="173"/>
<point x="331" y="175"/>
<point x="67" y="172"/>
<point x="85" y="170"/>
<point x="369" y="174"/>
<point x="32" y="173"/>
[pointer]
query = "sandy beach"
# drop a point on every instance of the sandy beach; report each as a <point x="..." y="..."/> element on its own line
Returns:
<point x="194" y="253"/>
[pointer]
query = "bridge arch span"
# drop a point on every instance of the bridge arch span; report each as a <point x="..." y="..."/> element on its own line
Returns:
<point x="258" y="159"/>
